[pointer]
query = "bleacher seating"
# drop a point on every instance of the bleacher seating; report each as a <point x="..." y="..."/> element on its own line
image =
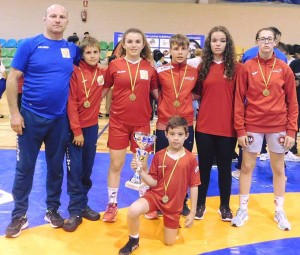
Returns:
<point x="11" y="43"/>
<point x="11" y="53"/>
<point x="4" y="52"/>
<point x="2" y="42"/>
<point x="103" y="45"/>
<point x="111" y="46"/>
<point x="7" y="62"/>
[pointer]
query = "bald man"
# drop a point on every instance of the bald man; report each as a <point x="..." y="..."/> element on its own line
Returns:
<point x="46" y="62"/>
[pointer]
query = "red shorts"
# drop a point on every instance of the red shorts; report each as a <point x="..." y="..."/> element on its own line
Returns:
<point x="170" y="221"/>
<point x="120" y="134"/>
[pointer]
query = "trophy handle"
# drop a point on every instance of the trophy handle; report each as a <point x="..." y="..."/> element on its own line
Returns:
<point x="135" y="182"/>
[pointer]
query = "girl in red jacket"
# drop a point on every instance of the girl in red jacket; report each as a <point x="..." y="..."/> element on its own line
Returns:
<point x="265" y="105"/>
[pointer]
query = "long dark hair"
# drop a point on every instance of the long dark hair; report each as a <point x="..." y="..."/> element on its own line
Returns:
<point x="229" y="55"/>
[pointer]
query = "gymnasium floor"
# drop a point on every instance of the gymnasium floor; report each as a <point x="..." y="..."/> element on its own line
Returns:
<point x="259" y="236"/>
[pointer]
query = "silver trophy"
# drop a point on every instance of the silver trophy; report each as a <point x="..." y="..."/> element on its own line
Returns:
<point x="143" y="140"/>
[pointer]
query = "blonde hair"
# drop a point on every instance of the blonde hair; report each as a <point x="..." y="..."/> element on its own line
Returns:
<point x="198" y="52"/>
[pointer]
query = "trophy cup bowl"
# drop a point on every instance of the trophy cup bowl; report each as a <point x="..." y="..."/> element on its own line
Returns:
<point x="143" y="140"/>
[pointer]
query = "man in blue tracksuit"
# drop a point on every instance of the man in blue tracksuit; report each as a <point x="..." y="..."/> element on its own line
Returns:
<point x="46" y="61"/>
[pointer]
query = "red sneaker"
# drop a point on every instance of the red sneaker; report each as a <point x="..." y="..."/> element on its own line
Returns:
<point x="110" y="214"/>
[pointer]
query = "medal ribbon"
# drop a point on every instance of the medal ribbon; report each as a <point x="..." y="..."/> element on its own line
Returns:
<point x="174" y="85"/>
<point x="137" y="70"/>
<point x="87" y="93"/>
<point x="163" y="170"/>
<point x="270" y="74"/>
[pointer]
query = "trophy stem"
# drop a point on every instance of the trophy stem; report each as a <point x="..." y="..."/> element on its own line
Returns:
<point x="135" y="182"/>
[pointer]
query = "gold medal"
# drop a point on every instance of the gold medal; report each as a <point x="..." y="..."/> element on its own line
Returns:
<point x="266" y="92"/>
<point x="176" y="103"/>
<point x="132" y="97"/>
<point x="165" y="199"/>
<point x="87" y="104"/>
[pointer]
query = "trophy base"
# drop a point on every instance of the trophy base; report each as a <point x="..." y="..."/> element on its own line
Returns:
<point x="135" y="186"/>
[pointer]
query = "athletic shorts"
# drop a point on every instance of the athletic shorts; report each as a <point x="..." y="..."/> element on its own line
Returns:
<point x="120" y="135"/>
<point x="275" y="142"/>
<point x="170" y="221"/>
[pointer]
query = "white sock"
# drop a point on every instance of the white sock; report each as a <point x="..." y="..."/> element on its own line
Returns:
<point x="135" y="236"/>
<point x="112" y="195"/>
<point x="244" y="201"/>
<point x="279" y="201"/>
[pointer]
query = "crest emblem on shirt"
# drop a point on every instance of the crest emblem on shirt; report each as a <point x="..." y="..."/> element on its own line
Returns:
<point x="281" y="140"/>
<point x="250" y="139"/>
<point x="65" y="52"/>
<point x="100" y="80"/>
<point x="255" y="73"/>
<point x="143" y="74"/>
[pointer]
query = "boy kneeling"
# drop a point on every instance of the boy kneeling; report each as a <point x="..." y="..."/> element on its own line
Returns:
<point x="172" y="171"/>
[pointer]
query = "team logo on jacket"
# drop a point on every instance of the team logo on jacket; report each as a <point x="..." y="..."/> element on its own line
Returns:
<point x="281" y="140"/>
<point x="163" y="68"/>
<point x="189" y="78"/>
<point x="277" y="70"/>
<point x="250" y="139"/>
<point x="255" y="73"/>
<point x="100" y="80"/>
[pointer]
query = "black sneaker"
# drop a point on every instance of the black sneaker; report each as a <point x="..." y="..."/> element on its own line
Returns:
<point x="235" y="157"/>
<point x="17" y="224"/>
<point x="90" y="214"/>
<point x="159" y="213"/>
<point x="54" y="218"/>
<point x="131" y="245"/>
<point x="72" y="224"/>
<point x="185" y="210"/>
<point x="225" y="212"/>
<point x="201" y="209"/>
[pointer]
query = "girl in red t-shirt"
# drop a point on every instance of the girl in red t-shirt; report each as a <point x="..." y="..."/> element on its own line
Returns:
<point x="133" y="78"/>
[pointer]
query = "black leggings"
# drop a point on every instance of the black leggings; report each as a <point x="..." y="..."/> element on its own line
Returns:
<point x="209" y="147"/>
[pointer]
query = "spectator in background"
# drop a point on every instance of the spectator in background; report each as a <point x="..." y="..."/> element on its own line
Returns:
<point x="295" y="66"/>
<point x="159" y="59"/>
<point x="3" y="76"/>
<point x="86" y="35"/>
<point x="285" y="50"/>
<point x="74" y="39"/>
<point x="196" y="58"/>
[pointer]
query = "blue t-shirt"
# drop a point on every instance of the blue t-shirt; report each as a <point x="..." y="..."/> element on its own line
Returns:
<point x="252" y="53"/>
<point x="47" y="66"/>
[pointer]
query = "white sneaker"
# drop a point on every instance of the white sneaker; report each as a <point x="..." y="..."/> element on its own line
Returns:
<point x="236" y="174"/>
<point x="290" y="156"/>
<point x="282" y="221"/>
<point x="264" y="156"/>
<point x="240" y="218"/>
